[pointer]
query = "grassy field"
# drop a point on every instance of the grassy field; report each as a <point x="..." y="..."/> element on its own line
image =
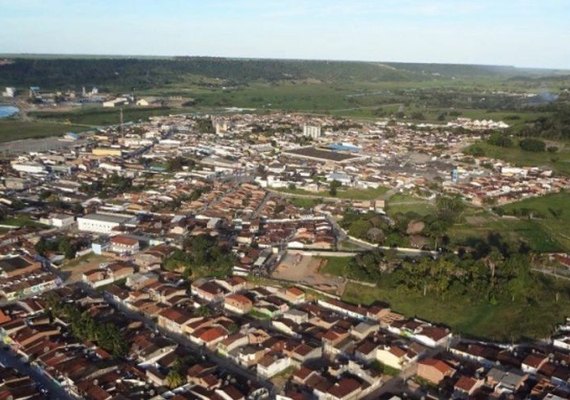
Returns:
<point x="14" y="129"/>
<point x="533" y="233"/>
<point x="403" y="203"/>
<point x="21" y="221"/>
<point x="97" y="116"/>
<point x="559" y="161"/>
<point x="477" y="318"/>
<point x="304" y="203"/>
<point x="335" y="265"/>
<point x="552" y="215"/>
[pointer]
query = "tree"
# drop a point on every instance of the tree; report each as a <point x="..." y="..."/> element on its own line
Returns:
<point x="476" y="151"/>
<point x="501" y="140"/>
<point x="66" y="248"/>
<point x="448" y="209"/>
<point x="376" y="235"/>
<point x="334" y="187"/>
<point x="174" y="379"/>
<point x="534" y="145"/>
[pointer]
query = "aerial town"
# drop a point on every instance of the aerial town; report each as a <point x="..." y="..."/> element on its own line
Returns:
<point x="171" y="259"/>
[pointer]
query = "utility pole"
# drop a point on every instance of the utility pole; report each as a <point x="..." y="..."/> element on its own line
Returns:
<point x="121" y="126"/>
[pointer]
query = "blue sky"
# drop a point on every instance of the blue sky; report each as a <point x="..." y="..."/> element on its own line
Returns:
<point x="529" y="33"/>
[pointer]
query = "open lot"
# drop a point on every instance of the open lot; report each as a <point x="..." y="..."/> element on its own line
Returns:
<point x="304" y="269"/>
<point x="74" y="269"/>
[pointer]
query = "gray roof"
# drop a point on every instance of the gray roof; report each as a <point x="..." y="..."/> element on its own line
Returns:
<point x="118" y="219"/>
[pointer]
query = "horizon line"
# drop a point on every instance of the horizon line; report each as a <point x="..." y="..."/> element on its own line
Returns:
<point x="135" y="56"/>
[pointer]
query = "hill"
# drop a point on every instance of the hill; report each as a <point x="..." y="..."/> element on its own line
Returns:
<point x="146" y="72"/>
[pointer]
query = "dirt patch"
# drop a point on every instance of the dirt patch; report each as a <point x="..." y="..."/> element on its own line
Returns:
<point x="304" y="269"/>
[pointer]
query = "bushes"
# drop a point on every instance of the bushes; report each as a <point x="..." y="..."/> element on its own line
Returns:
<point x="534" y="145"/>
<point x="498" y="139"/>
<point x="476" y="151"/>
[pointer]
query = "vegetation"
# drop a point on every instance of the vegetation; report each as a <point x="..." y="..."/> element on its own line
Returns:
<point x="558" y="162"/>
<point x="547" y="215"/>
<point x="398" y="229"/>
<point x="126" y="73"/>
<point x="84" y="326"/>
<point x="202" y="256"/>
<point x="334" y="187"/>
<point x="335" y="266"/>
<point x="500" y="139"/>
<point x="19" y="221"/>
<point x="305" y="203"/>
<point x="93" y="116"/>
<point x="14" y="129"/>
<point x="63" y="245"/>
<point x="530" y="144"/>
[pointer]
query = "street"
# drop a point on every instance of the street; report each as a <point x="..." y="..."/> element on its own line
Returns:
<point x="10" y="359"/>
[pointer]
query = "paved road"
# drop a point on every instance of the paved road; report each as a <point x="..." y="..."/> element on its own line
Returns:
<point x="10" y="359"/>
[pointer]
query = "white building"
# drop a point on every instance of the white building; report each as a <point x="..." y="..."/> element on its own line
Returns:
<point x="119" y="101"/>
<point x="311" y="131"/>
<point x="9" y="92"/>
<point x="28" y="167"/>
<point x="61" y="220"/>
<point x="102" y="223"/>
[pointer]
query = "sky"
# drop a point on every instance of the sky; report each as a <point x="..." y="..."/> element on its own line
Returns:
<point x="524" y="33"/>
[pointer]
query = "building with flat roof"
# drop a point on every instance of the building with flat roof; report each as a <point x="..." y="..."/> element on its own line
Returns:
<point x="102" y="223"/>
<point x="323" y="155"/>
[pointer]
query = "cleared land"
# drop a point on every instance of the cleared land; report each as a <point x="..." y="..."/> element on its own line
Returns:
<point x="296" y="267"/>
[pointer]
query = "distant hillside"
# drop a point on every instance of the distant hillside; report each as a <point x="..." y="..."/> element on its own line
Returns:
<point x="125" y="73"/>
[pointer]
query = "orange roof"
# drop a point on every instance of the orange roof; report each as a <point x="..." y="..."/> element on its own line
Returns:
<point x="295" y="291"/>
<point x="440" y="365"/>
<point x="124" y="240"/>
<point x="240" y="298"/>
<point x="213" y="333"/>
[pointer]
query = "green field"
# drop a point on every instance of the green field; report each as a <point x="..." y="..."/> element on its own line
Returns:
<point x="505" y="321"/>
<point x="559" y="161"/>
<point x="551" y="214"/>
<point x="479" y="223"/>
<point x="403" y="203"/>
<point x="13" y="129"/>
<point x="304" y="202"/>
<point x="335" y="265"/>
<point x="21" y="221"/>
<point x="97" y="116"/>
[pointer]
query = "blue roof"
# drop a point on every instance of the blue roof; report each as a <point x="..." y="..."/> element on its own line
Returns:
<point x="344" y="147"/>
